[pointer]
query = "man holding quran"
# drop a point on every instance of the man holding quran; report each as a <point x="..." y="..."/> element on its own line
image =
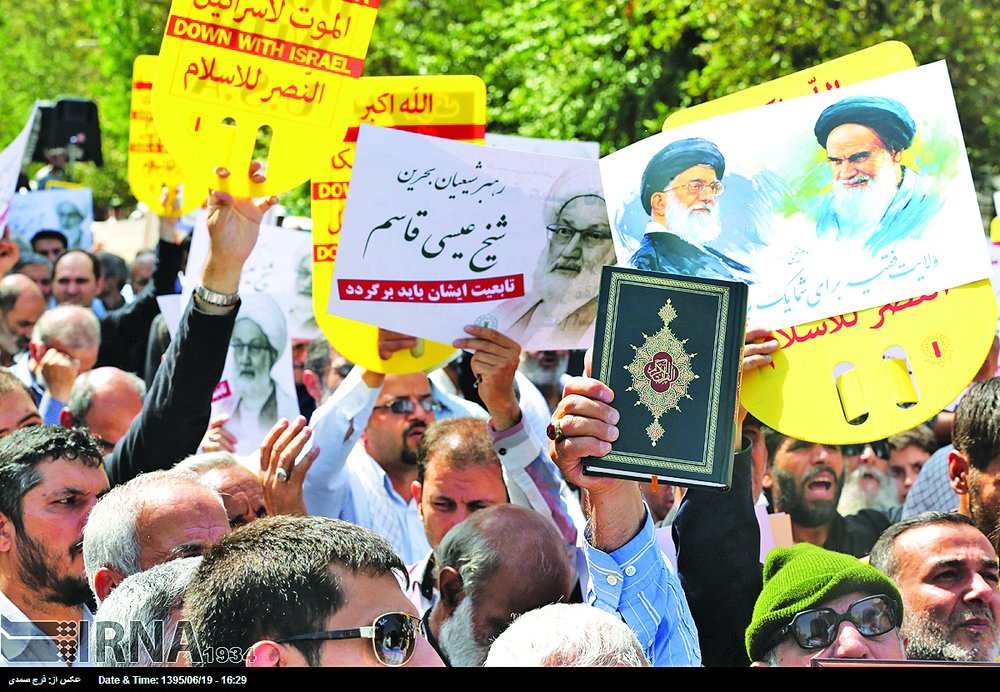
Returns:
<point x="717" y="535"/>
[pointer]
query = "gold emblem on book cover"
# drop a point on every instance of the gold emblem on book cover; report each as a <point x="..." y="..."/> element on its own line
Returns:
<point x="661" y="372"/>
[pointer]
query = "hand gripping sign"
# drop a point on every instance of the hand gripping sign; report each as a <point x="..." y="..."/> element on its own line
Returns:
<point x="151" y="168"/>
<point x="451" y="107"/>
<point x="229" y="68"/>
<point x="868" y="374"/>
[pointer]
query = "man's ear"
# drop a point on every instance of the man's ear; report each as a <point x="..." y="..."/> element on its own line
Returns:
<point x="66" y="419"/>
<point x="417" y="490"/>
<point x="105" y="581"/>
<point x="958" y="472"/>
<point x="658" y="203"/>
<point x="36" y="350"/>
<point x="451" y="588"/>
<point x="7" y="534"/>
<point x="265" y="654"/>
<point x="100" y="286"/>
<point x="767" y="480"/>
<point x="311" y="382"/>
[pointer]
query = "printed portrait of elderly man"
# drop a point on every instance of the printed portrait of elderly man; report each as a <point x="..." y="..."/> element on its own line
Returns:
<point x="875" y="197"/>
<point x="680" y="190"/>
<point x="561" y="304"/>
<point x="260" y="337"/>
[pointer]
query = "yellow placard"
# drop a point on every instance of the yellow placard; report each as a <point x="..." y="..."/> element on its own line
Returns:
<point x="229" y="68"/>
<point x="151" y="168"/>
<point x="877" y="61"/>
<point x="870" y="374"/>
<point x="995" y="230"/>
<point x="452" y="107"/>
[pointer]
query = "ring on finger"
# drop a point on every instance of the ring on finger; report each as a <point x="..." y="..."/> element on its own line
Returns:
<point x="282" y="475"/>
<point x="554" y="431"/>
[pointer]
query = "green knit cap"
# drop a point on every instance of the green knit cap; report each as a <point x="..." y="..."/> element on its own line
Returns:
<point x="802" y="577"/>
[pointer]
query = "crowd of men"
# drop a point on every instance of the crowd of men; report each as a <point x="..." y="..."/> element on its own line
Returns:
<point x="404" y="523"/>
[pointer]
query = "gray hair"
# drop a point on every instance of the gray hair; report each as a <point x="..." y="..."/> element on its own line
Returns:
<point x="81" y="395"/>
<point x="71" y="325"/>
<point x="111" y="536"/>
<point x="200" y="464"/>
<point x="466" y="549"/>
<point x="565" y="635"/>
<point x="137" y="623"/>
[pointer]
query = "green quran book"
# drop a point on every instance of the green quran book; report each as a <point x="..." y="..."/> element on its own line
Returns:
<point x="671" y="349"/>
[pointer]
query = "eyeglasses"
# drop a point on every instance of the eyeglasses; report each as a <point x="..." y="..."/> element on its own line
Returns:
<point x="393" y="635"/>
<point x="589" y="237"/>
<point x="880" y="447"/>
<point x="817" y="628"/>
<point x="401" y="406"/>
<point x="254" y="349"/>
<point x="696" y="187"/>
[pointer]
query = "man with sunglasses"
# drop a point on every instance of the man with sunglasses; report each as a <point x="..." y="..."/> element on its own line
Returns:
<point x="368" y="433"/>
<point x="806" y="480"/>
<point x="679" y="191"/>
<point x="817" y="603"/>
<point x="867" y="482"/>
<point x="379" y="484"/>
<point x="348" y="608"/>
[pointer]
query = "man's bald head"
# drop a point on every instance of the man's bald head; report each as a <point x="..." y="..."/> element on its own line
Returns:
<point x="21" y="304"/>
<point x="481" y="567"/>
<point x="105" y="401"/>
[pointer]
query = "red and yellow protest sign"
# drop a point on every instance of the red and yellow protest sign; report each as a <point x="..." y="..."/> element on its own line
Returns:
<point x="151" y="168"/>
<point x="869" y="374"/>
<point x="228" y="68"/>
<point x="452" y="107"/>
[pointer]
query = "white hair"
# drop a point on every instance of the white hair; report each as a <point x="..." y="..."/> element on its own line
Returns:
<point x="566" y="635"/>
<point x="141" y="615"/>
<point x="111" y="536"/>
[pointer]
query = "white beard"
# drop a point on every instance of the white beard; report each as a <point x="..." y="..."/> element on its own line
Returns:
<point x="458" y="638"/>
<point x="542" y="376"/>
<point x="859" y="210"/>
<point x="695" y="228"/>
<point x="854" y="498"/>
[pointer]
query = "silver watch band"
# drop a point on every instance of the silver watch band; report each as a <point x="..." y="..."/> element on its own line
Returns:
<point x="222" y="300"/>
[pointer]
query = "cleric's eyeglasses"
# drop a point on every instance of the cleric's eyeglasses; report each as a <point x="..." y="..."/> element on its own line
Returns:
<point x="589" y="237"/>
<point x="401" y="406"/>
<point x="817" y="628"/>
<point x="880" y="447"/>
<point x="696" y="187"/>
<point x="393" y="635"/>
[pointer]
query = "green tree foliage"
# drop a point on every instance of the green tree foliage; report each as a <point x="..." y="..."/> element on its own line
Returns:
<point x="609" y="71"/>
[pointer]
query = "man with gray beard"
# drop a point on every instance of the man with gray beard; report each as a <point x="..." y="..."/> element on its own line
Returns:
<point x="946" y="571"/>
<point x="481" y="578"/>
<point x="560" y="306"/>
<point x="679" y="191"/>
<point x="875" y="198"/>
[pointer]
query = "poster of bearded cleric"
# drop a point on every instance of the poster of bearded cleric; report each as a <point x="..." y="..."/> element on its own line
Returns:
<point x="439" y="234"/>
<point x="823" y="204"/>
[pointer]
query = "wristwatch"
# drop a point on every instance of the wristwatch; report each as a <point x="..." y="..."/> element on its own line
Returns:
<point x="222" y="300"/>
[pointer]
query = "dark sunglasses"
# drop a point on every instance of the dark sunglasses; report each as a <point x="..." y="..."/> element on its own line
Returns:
<point x="401" y="406"/>
<point x="880" y="447"/>
<point x="393" y="635"/>
<point x="817" y="628"/>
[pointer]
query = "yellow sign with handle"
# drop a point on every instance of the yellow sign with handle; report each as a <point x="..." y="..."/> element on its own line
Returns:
<point x="452" y="107"/>
<point x="870" y="374"/>
<point x="151" y="168"/>
<point x="230" y="69"/>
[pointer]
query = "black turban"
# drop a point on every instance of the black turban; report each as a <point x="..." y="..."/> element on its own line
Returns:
<point x="887" y="117"/>
<point x="674" y="159"/>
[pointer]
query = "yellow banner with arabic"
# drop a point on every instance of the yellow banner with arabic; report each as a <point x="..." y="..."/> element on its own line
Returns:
<point x="228" y="69"/>
<point x="452" y="107"/>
